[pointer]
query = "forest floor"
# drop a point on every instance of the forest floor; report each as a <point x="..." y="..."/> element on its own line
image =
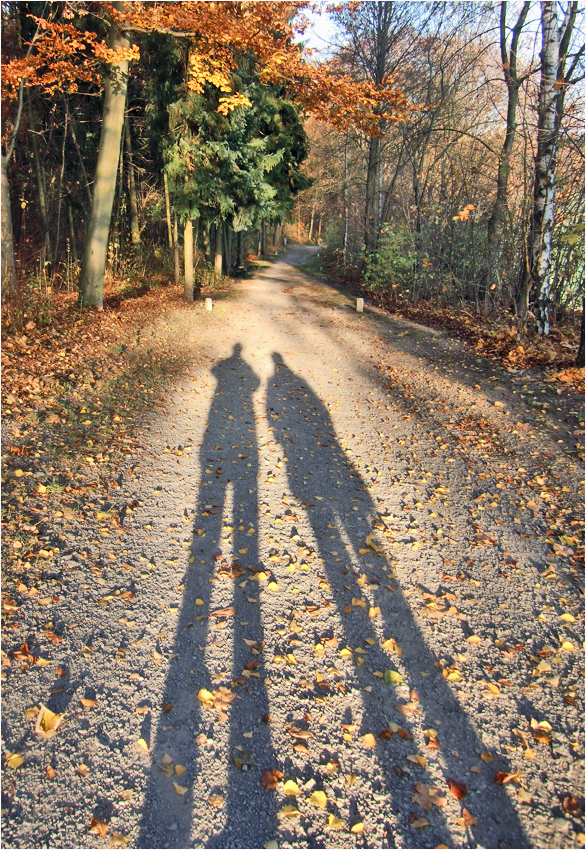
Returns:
<point x="284" y="574"/>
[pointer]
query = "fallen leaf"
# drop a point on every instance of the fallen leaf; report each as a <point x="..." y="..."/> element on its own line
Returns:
<point x="458" y="789"/>
<point x="291" y="789"/>
<point x="181" y="789"/>
<point x="88" y="703"/>
<point x="180" y="769"/>
<point x="502" y="778"/>
<point x="319" y="799"/>
<point x="335" y="823"/>
<point x="50" y="772"/>
<point x="216" y="801"/>
<point x="486" y="757"/>
<point x="118" y="839"/>
<point x="126" y="794"/>
<point x="47" y="722"/>
<point x="290" y="811"/>
<point x="270" y="779"/>
<point x="142" y="745"/>
<point x="426" y="796"/>
<point x="98" y="827"/>
<point x="14" y="760"/>
<point x="83" y="770"/>
<point x="469" y="819"/>
<point x="357" y="829"/>
<point x="368" y="740"/>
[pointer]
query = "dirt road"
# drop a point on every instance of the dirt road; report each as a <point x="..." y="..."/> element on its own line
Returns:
<point x="346" y="556"/>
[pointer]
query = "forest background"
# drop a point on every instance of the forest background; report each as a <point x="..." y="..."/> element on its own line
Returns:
<point x="436" y="152"/>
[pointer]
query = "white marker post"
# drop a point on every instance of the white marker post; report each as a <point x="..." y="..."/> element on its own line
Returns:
<point x="360" y="305"/>
<point x="209" y="305"/>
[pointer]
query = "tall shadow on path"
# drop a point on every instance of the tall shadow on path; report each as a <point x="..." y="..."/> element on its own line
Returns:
<point x="332" y="487"/>
<point x="215" y="618"/>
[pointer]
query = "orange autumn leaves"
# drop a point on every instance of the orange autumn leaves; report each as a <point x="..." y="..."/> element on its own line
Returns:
<point x="62" y="55"/>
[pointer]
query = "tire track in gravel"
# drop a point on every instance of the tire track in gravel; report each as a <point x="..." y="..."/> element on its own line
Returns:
<point x="283" y="457"/>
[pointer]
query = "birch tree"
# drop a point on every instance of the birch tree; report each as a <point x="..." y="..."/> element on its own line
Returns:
<point x="555" y="40"/>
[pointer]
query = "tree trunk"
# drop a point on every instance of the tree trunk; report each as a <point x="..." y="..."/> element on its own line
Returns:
<point x="72" y="239"/>
<point x="277" y="236"/>
<point x="218" y="250"/>
<point x="168" y="210"/>
<point x="263" y="237"/>
<point x="91" y="284"/>
<point x="346" y="207"/>
<point x="9" y="279"/>
<point x="176" y="251"/>
<point x="206" y="242"/>
<point x="240" y="248"/>
<point x="580" y="355"/>
<point x="498" y="214"/>
<point x="40" y="178"/>
<point x="228" y="247"/>
<point x="134" y="223"/>
<point x="372" y="211"/>
<point x="188" y="260"/>
<point x="311" y="223"/>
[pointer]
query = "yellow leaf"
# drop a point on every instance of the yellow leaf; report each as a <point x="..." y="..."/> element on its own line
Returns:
<point x="569" y="647"/>
<point x="486" y="756"/>
<point x="118" y="839"/>
<point x="199" y="602"/>
<point x="368" y="740"/>
<point x="335" y="823"/>
<point x="83" y="770"/>
<point x="357" y="829"/>
<point x="42" y="662"/>
<point x="474" y="639"/>
<point x="181" y="789"/>
<point x="417" y="759"/>
<point x="142" y="745"/>
<point x="180" y="769"/>
<point x="14" y="760"/>
<point x="374" y="612"/>
<point x="290" y="811"/>
<point x="454" y="676"/>
<point x="205" y="696"/>
<point x="346" y="653"/>
<point x="291" y="789"/>
<point x="494" y="689"/>
<point x="350" y="778"/>
<point x="568" y="618"/>
<point x="272" y="585"/>
<point x="243" y="551"/>
<point x="319" y="799"/>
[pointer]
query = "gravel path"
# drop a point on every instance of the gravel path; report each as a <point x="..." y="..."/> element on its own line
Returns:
<point x="344" y="552"/>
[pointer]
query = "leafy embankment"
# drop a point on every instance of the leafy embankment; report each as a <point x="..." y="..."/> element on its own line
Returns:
<point x="72" y="394"/>
<point x="497" y="338"/>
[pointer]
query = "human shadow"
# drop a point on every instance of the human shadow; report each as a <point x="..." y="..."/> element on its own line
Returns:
<point x="322" y="478"/>
<point x="224" y="768"/>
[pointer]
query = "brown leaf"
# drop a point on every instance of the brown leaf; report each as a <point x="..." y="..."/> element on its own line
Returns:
<point x="98" y="827"/>
<point x="573" y="806"/>
<point x="167" y="706"/>
<point x="470" y="819"/>
<point x="88" y="703"/>
<point x="61" y="671"/>
<point x="224" y="612"/>
<point x="270" y="779"/>
<point x="50" y="772"/>
<point x="402" y="733"/>
<point x="458" y="789"/>
<point x="386" y="733"/>
<point x="502" y="778"/>
<point x="216" y="801"/>
<point x="252" y="665"/>
<point x="426" y="797"/>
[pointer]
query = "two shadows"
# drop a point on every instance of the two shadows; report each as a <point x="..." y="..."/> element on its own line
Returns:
<point x="318" y="475"/>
